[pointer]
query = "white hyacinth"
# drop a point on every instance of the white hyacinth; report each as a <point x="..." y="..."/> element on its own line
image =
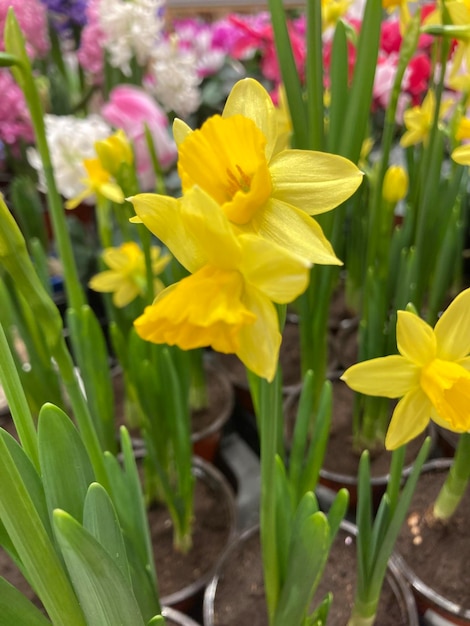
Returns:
<point x="174" y="78"/>
<point x="131" y="28"/>
<point x="70" y="140"/>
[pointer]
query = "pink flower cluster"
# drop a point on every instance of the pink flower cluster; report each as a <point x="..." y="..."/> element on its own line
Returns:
<point x="15" y="123"/>
<point x="32" y="18"/>
<point x="90" y="54"/>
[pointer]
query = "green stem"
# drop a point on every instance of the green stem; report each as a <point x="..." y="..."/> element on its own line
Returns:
<point x="268" y="425"/>
<point x="456" y="483"/>
<point x="15" y="44"/>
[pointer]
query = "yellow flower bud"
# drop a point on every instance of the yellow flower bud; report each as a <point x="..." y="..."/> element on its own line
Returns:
<point x="113" y="151"/>
<point x="395" y="185"/>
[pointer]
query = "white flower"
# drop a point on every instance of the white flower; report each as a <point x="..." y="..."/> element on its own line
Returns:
<point x="174" y="78"/>
<point x="131" y="28"/>
<point x="70" y="140"/>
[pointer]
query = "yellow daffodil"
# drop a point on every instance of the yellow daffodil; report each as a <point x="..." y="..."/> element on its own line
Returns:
<point x="114" y="151"/>
<point x="404" y="11"/>
<point x="126" y="278"/>
<point x="419" y="120"/>
<point x="235" y="158"/>
<point x="431" y="374"/>
<point x="332" y="11"/>
<point x="98" y="182"/>
<point x="227" y="301"/>
<point x="461" y="155"/>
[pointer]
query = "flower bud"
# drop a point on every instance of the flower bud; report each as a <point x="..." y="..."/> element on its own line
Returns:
<point x="395" y="185"/>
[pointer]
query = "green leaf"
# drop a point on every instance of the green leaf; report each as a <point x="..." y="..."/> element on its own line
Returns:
<point x="308" y="553"/>
<point x="15" y="608"/>
<point x="105" y="595"/>
<point x="33" y="545"/>
<point x="101" y="521"/>
<point x="284" y="517"/>
<point x="65" y="465"/>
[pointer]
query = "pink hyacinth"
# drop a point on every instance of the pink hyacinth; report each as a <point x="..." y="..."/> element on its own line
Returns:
<point x="90" y="52"/>
<point x="15" y="123"/>
<point x="32" y="18"/>
<point x="131" y="108"/>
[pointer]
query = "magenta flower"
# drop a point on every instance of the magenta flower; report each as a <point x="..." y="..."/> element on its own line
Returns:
<point x="15" y="123"/>
<point x="90" y="52"/>
<point x="130" y="108"/>
<point x="32" y="18"/>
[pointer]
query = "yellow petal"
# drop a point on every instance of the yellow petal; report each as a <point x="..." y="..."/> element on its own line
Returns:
<point x="260" y="342"/>
<point x="278" y="274"/>
<point x="207" y="225"/>
<point x="250" y="99"/>
<point x="415" y="339"/>
<point x="409" y="419"/>
<point x="452" y="330"/>
<point x="313" y="181"/>
<point x="105" y="282"/>
<point x="162" y="216"/>
<point x="180" y="131"/>
<point x="447" y="386"/>
<point x="112" y="192"/>
<point x="461" y="155"/>
<point x="204" y="309"/>
<point x="294" y="230"/>
<point x="73" y="203"/>
<point x="390" y="376"/>
<point x="127" y="292"/>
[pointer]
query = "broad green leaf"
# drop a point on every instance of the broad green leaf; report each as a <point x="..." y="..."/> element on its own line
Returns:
<point x="34" y="547"/>
<point x="101" y="521"/>
<point x="105" y="595"/>
<point x="307" y="557"/>
<point x="15" y="608"/>
<point x="30" y="478"/>
<point x="65" y="465"/>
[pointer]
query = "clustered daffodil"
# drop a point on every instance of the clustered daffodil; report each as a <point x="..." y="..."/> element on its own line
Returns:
<point x="227" y="301"/>
<point x="243" y="229"/>
<point x="126" y="276"/>
<point x="237" y="159"/>
<point x="431" y="374"/>
<point x="102" y="171"/>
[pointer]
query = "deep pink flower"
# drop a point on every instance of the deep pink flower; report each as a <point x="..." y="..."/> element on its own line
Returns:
<point x="32" y="18"/>
<point x="131" y="108"/>
<point x="15" y="122"/>
<point x="390" y="36"/>
<point x="416" y="79"/>
<point x="90" y="52"/>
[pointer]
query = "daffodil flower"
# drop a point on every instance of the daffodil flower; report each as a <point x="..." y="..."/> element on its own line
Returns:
<point x="418" y="121"/>
<point x="126" y="278"/>
<point x="262" y="189"/>
<point x="98" y="182"/>
<point x="431" y="374"/>
<point x="227" y="301"/>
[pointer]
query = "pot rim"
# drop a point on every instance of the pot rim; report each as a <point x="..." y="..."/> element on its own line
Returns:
<point x="393" y="576"/>
<point x="450" y="609"/>
<point x="176" y="616"/>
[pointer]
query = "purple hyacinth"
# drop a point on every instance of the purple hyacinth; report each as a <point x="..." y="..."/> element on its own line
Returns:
<point x="66" y="15"/>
